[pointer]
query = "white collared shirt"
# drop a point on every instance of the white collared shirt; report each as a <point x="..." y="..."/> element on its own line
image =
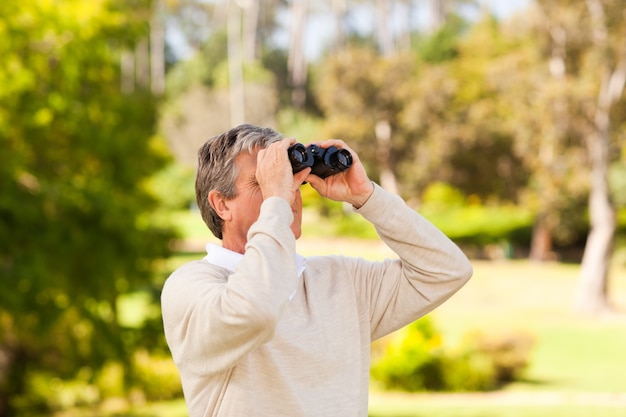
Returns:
<point x="228" y="259"/>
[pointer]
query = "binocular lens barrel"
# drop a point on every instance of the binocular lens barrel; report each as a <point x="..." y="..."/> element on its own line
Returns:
<point x="297" y="153"/>
<point x="341" y="158"/>
<point x="322" y="161"/>
<point x="300" y="157"/>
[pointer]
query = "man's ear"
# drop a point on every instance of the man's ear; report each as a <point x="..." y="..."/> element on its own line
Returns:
<point x="219" y="204"/>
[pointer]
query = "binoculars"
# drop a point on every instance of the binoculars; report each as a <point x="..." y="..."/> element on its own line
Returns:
<point x="324" y="162"/>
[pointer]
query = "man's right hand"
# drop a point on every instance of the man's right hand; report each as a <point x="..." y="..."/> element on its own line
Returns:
<point x="275" y="174"/>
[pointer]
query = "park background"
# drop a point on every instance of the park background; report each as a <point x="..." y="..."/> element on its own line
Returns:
<point x="503" y="125"/>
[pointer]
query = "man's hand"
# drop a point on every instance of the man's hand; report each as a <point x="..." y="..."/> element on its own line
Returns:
<point x="275" y="174"/>
<point x="352" y="186"/>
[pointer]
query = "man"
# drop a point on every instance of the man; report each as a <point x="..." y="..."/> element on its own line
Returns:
<point x="255" y="329"/>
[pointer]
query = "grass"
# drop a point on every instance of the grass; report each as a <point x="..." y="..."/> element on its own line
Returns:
<point x="488" y="406"/>
<point x="578" y="365"/>
<point x="448" y="405"/>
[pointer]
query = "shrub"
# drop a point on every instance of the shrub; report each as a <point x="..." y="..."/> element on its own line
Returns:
<point x="416" y="360"/>
<point x="508" y="353"/>
<point x="46" y="392"/>
<point x="157" y="377"/>
<point x="413" y="360"/>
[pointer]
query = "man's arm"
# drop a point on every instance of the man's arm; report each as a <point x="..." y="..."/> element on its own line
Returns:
<point x="213" y="319"/>
<point x="430" y="268"/>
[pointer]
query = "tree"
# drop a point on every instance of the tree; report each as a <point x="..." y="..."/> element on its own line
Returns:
<point x="235" y="64"/>
<point x="362" y="95"/>
<point x="454" y="113"/>
<point x="157" y="49"/>
<point x="75" y="214"/>
<point x="608" y="52"/>
<point x="297" y="62"/>
<point x="584" y="53"/>
<point x="539" y="92"/>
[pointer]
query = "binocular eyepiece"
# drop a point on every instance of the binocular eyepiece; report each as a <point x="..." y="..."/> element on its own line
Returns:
<point x="324" y="162"/>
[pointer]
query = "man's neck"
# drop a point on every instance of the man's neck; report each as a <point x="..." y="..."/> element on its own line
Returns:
<point x="234" y="245"/>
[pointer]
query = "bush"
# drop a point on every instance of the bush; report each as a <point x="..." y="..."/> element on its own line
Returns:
<point x="416" y="360"/>
<point x="46" y="392"/>
<point x="157" y="377"/>
<point x="413" y="361"/>
<point x="508" y="353"/>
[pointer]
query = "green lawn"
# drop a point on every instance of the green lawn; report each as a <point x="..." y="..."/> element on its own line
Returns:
<point x="490" y="406"/>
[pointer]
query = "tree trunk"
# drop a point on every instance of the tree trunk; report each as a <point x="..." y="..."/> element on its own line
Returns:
<point x="555" y="133"/>
<point x="437" y="15"/>
<point x="235" y="70"/>
<point x="297" y="61"/>
<point x="339" y="12"/>
<point x="384" y="35"/>
<point x="541" y="241"/>
<point x="157" y="50"/>
<point x="404" y="40"/>
<point x="142" y="64"/>
<point x="250" y="25"/>
<point x="383" y="155"/>
<point x="127" y="69"/>
<point x="592" y="291"/>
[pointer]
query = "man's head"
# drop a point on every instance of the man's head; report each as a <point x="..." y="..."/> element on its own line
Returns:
<point x="217" y="169"/>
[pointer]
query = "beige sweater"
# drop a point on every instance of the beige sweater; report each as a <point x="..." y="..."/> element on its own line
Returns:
<point x="261" y="341"/>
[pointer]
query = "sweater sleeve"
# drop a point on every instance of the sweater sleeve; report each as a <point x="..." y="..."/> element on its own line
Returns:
<point x="213" y="318"/>
<point x="430" y="268"/>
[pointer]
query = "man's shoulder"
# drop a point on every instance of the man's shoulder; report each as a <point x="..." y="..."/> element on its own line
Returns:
<point x="198" y="269"/>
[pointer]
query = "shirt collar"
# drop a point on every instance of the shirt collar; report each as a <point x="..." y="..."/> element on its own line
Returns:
<point x="227" y="259"/>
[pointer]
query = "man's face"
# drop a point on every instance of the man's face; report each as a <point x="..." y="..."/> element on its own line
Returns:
<point x="246" y="205"/>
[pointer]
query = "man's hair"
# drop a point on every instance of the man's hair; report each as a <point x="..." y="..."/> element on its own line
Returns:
<point x="217" y="170"/>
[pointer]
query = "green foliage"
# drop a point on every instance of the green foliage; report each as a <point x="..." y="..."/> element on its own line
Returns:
<point x="157" y="377"/>
<point x="505" y="355"/>
<point x="413" y="361"/>
<point x="617" y="182"/>
<point x="327" y="218"/>
<point x="47" y="392"/>
<point x="442" y="45"/>
<point x="356" y="89"/>
<point x="201" y="68"/>
<point x="483" y="225"/>
<point x="174" y="186"/>
<point x="621" y="221"/>
<point x="466" y="220"/>
<point x="440" y="195"/>
<point x="186" y="74"/>
<point x="416" y="360"/>
<point x="275" y="60"/>
<point x="75" y="229"/>
<point x="302" y="126"/>
<point x="253" y="72"/>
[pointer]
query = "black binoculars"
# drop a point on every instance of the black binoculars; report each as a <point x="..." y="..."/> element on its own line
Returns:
<point x="324" y="162"/>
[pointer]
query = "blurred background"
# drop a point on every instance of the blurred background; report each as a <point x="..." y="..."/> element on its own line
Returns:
<point x="501" y="122"/>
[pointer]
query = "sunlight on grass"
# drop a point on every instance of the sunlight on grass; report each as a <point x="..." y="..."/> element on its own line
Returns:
<point x="491" y="405"/>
